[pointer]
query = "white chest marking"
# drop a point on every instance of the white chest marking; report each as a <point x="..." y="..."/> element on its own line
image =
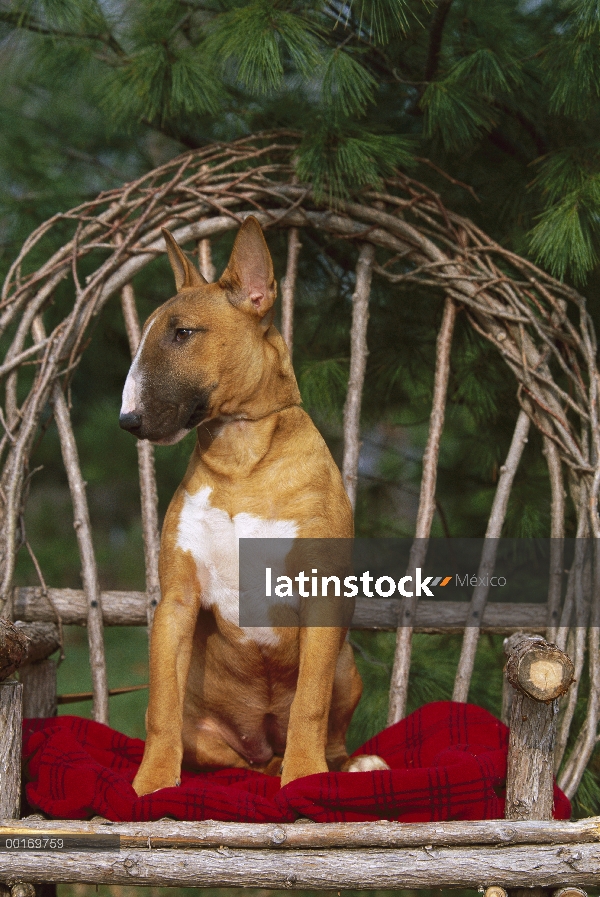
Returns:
<point x="211" y="536"/>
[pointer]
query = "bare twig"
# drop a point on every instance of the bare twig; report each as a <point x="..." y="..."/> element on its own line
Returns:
<point x="488" y="558"/>
<point x="89" y="572"/>
<point x="557" y="532"/>
<point x="46" y="594"/>
<point x="358" y="365"/>
<point x="83" y="532"/>
<point x="148" y="491"/>
<point x="288" y="288"/>
<point x="427" y="506"/>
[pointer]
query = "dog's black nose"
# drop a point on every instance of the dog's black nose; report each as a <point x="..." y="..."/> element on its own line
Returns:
<point x="131" y="422"/>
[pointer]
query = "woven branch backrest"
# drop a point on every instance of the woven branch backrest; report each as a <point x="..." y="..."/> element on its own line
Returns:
<point x="402" y="233"/>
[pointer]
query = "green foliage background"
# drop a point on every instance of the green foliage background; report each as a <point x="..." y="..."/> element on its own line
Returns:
<point x="501" y="94"/>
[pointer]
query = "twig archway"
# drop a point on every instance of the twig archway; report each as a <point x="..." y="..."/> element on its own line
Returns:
<point x="403" y="233"/>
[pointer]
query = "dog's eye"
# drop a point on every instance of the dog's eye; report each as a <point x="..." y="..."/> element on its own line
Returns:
<point x="181" y="334"/>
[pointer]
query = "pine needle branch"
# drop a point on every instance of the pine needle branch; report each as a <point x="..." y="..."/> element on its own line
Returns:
<point x="27" y="22"/>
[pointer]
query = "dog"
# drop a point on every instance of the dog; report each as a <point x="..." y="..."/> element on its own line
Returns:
<point x="276" y="699"/>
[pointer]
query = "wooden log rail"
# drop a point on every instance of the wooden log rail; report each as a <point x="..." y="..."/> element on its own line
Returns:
<point x="319" y="868"/>
<point x="339" y="855"/>
<point x="169" y="833"/>
<point x="130" y="609"/>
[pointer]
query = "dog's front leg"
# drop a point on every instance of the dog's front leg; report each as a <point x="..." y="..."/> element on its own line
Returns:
<point x="170" y="653"/>
<point x="309" y="713"/>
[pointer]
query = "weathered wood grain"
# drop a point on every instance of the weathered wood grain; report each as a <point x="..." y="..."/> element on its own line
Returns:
<point x="530" y="772"/>
<point x="422" y="867"/>
<point x="10" y="748"/>
<point x="539" y="670"/>
<point x="39" y="689"/>
<point x="299" y="835"/>
<point x="44" y="640"/>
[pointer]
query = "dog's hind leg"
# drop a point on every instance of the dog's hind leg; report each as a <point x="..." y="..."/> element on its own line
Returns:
<point x="273" y="767"/>
<point x="203" y="748"/>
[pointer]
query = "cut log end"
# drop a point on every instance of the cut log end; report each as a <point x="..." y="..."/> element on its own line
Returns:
<point x="539" y="670"/>
<point x="539" y="673"/>
<point x="495" y="891"/>
<point x="22" y="889"/>
<point x="570" y="891"/>
<point x="14" y="646"/>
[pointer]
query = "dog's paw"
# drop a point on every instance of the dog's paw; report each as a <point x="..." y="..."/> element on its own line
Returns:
<point x="365" y="763"/>
<point x="154" y="780"/>
<point x="297" y="768"/>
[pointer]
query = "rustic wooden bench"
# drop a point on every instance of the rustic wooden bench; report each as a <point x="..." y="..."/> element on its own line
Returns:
<point x="403" y="233"/>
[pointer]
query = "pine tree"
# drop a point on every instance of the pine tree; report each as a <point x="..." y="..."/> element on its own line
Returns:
<point x="501" y="95"/>
<point x="503" y="88"/>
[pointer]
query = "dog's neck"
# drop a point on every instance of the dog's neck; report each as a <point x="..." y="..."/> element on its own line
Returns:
<point x="232" y="448"/>
<point x="232" y="444"/>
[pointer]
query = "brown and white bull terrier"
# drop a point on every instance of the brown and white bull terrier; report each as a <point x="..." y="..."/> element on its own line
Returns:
<point x="221" y="695"/>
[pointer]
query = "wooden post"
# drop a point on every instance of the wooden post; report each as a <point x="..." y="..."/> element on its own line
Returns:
<point x="10" y="749"/>
<point x="39" y="700"/>
<point x="507" y="696"/>
<point x="36" y="695"/>
<point x="13" y="650"/>
<point x="539" y="673"/>
<point x="39" y="689"/>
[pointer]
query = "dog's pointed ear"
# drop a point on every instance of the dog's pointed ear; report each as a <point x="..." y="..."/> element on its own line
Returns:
<point x="186" y="275"/>
<point x="248" y="277"/>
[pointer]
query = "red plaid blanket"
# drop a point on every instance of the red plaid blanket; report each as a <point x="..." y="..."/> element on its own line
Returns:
<point x="448" y="761"/>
